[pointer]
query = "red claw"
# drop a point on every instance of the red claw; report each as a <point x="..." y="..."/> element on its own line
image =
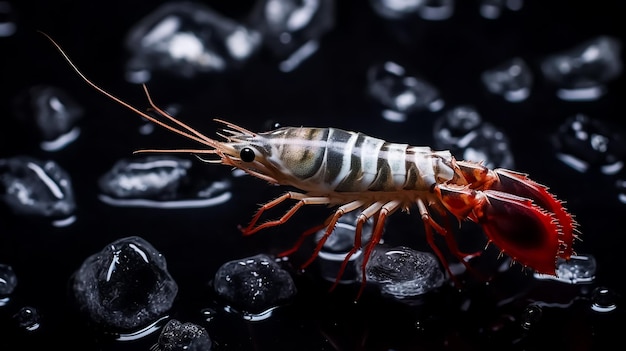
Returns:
<point x="517" y="214"/>
<point x="520" y="229"/>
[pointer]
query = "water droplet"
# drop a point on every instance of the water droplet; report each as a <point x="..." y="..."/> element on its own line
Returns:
<point x="28" y="318"/>
<point x="531" y="316"/>
<point x="208" y="313"/>
<point x="603" y="300"/>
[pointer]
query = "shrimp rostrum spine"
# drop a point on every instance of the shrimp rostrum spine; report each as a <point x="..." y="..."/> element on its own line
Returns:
<point x="355" y="172"/>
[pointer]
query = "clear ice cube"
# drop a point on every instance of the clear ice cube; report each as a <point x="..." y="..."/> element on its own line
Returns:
<point x="125" y="286"/>
<point x="254" y="285"/>
<point x="403" y="272"/>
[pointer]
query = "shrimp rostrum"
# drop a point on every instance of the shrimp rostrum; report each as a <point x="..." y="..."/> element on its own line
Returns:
<point x="350" y="171"/>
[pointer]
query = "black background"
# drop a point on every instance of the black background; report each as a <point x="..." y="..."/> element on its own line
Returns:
<point x="329" y="89"/>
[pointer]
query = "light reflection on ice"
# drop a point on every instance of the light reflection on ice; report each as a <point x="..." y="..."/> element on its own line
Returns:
<point x="138" y="334"/>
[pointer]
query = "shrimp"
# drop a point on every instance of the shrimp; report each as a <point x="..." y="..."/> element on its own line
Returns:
<point x="350" y="171"/>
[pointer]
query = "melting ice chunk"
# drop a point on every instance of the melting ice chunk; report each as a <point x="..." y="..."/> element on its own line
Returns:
<point x="576" y="270"/>
<point x="403" y="272"/>
<point x="177" y="336"/>
<point x="51" y="112"/>
<point x="125" y="286"/>
<point x="581" y="72"/>
<point x="160" y="182"/>
<point x="463" y="132"/>
<point x="511" y="79"/>
<point x="254" y="285"/>
<point x="399" y="92"/>
<point x="292" y="29"/>
<point x="583" y="143"/>
<point x="30" y="186"/>
<point x="187" y="38"/>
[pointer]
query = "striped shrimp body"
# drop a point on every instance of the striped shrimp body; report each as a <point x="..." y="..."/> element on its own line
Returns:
<point x="350" y="171"/>
<point x="357" y="172"/>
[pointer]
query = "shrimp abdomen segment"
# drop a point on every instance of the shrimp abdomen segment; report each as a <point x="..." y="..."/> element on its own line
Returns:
<point x="335" y="160"/>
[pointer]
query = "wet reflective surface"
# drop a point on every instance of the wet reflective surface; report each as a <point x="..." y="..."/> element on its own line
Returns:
<point x="286" y="63"/>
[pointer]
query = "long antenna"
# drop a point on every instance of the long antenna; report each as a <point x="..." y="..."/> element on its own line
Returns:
<point x="184" y="130"/>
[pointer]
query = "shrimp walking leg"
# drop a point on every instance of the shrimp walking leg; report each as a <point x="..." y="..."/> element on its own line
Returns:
<point x="303" y="200"/>
<point x="386" y="210"/>
<point x="354" y="205"/>
<point x="365" y="215"/>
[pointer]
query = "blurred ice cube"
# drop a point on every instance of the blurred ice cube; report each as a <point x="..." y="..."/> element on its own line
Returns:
<point x="160" y="182"/>
<point x="584" y="143"/>
<point x="581" y="72"/>
<point x="511" y="79"/>
<point x="52" y="113"/>
<point x="402" y="272"/>
<point x="40" y="188"/>
<point x="8" y="25"/>
<point x="492" y="9"/>
<point x="463" y="132"/>
<point x="400" y="93"/>
<point x="437" y="10"/>
<point x="8" y="281"/>
<point x="396" y="9"/>
<point x="292" y="29"/>
<point x="187" y="38"/>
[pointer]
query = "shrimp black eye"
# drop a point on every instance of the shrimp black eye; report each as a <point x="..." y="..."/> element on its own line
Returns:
<point x="246" y="154"/>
